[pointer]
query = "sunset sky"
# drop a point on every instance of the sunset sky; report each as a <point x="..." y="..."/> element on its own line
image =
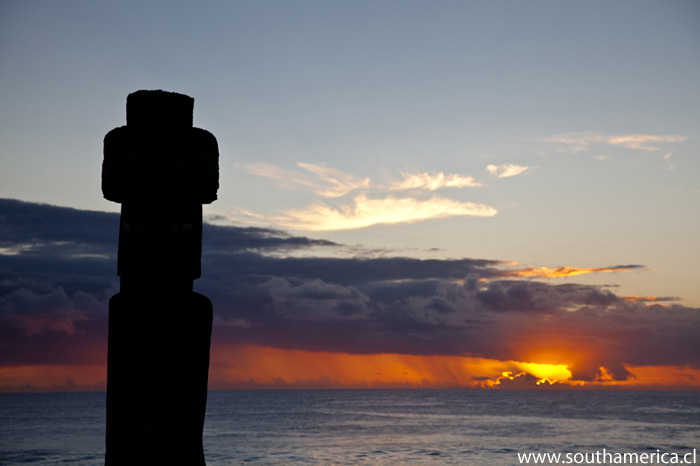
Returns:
<point x="413" y="194"/>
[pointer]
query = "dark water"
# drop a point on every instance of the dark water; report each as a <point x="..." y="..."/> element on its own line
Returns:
<point x="372" y="427"/>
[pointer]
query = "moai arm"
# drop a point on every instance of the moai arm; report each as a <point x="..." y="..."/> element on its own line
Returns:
<point x="161" y="169"/>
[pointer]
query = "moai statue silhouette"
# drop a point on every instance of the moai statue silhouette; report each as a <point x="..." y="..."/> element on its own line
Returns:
<point x="161" y="169"/>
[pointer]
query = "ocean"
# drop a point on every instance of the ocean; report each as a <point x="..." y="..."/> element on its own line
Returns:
<point x="377" y="427"/>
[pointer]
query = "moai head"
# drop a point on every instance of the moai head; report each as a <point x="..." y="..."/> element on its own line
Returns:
<point x="161" y="169"/>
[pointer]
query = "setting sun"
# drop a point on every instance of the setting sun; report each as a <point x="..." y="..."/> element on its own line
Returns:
<point x="552" y="372"/>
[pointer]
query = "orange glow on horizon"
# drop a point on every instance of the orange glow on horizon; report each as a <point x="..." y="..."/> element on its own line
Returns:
<point x="263" y="367"/>
<point x="58" y="378"/>
<point x="634" y="299"/>
<point x="257" y="367"/>
<point x="560" y="272"/>
<point x="272" y="367"/>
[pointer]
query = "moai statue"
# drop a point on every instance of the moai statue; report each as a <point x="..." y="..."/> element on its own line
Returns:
<point x="161" y="169"/>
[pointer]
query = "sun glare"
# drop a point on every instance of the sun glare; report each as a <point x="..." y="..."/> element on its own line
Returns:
<point x="552" y="372"/>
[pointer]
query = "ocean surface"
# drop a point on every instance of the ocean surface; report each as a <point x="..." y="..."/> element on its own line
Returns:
<point x="372" y="427"/>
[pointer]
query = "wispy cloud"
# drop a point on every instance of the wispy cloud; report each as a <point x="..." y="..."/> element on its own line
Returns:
<point x="280" y="176"/>
<point x="371" y="205"/>
<point x="506" y="170"/>
<point x="577" y="142"/>
<point x="337" y="183"/>
<point x="642" y="141"/>
<point x="432" y="182"/>
<point x="670" y="165"/>
<point x="365" y="212"/>
<point x="341" y="183"/>
<point x="235" y="215"/>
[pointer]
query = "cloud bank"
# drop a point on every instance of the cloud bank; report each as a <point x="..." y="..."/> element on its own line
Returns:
<point x="58" y="269"/>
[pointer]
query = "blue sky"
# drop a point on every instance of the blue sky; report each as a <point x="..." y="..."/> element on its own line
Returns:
<point x="337" y="107"/>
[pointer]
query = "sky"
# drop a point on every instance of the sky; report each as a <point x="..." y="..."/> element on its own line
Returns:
<point x="413" y="194"/>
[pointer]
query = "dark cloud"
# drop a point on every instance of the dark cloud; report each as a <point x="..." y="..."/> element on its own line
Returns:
<point x="525" y="381"/>
<point x="58" y="269"/>
<point x="45" y="230"/>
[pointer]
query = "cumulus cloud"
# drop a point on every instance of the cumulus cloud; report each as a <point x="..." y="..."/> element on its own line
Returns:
<point x="314" y="299"/>
<point x="33" y="307"/>
<point x="506" y="170"/>
<point x="365" y="212"/>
